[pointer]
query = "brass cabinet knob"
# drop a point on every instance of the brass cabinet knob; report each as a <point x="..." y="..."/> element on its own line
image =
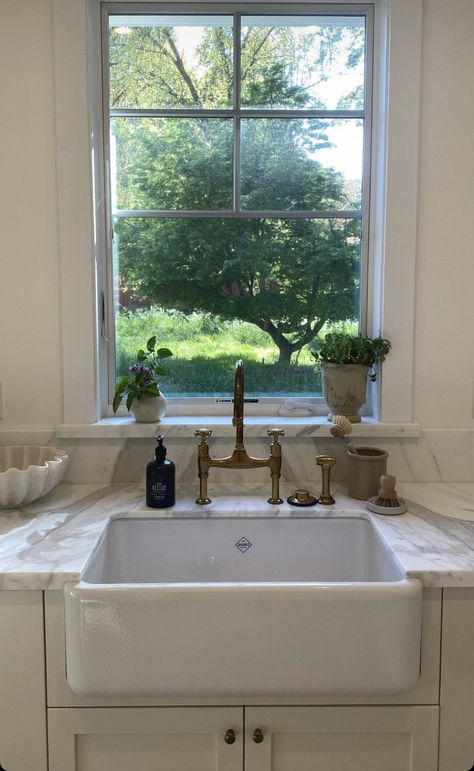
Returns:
<point x="229" y="736"/>
<point x="257" y="736"/>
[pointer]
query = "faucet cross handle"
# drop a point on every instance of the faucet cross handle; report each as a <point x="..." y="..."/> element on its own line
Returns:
<point x="203" y="433"/>
<point x="275" y="433"/>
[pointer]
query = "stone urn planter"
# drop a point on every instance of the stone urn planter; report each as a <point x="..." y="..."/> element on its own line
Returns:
<point x="345" y="361"/>
<point x="344" y="389"/>
<point x="148" y="409"/>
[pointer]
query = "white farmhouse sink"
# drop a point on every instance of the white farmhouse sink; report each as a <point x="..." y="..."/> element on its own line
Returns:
<point x="239" y="606"/>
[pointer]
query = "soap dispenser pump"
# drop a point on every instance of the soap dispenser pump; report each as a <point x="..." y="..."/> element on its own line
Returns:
<point x="160" y="479"/>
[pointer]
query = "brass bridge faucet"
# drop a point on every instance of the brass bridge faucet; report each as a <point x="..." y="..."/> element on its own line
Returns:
<point x="239" y="458"/>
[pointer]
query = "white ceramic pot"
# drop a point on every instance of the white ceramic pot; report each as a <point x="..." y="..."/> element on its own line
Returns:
<point x="148" y="409"/>
<point x="344" y="389"/>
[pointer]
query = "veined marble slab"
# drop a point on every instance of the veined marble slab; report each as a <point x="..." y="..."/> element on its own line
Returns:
<point x="46" y="544"/>
<point x="118" y="453"/>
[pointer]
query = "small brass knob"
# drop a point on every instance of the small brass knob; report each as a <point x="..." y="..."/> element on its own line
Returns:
<point x="257" y="736"/>
<point x="229" y="736"/>
<point x="302" y="496"/>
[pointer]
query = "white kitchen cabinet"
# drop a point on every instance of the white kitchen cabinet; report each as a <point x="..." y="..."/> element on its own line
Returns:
<point x="336" y="738"/>
<point x="276" y="739"/>
<point x="22" y="682"/>
<point x="146" y="739"/>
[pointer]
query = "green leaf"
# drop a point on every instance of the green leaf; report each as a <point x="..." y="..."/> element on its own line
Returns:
<point x="130" y="399"/>
<point x="116" y="402"/>
<point x="163" y="353"/>
<point x="141" y="355"/>
<point x="151" y="344"/>
<point x="152" y="391"/>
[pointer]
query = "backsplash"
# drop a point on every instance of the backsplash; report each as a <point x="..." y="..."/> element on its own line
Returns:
<point x="438" y="455"/>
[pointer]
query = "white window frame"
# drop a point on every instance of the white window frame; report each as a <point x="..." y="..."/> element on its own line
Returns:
<point x="82" y="226"/>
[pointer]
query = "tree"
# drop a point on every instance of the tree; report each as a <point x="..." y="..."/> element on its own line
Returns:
<point x="287" y="276"/>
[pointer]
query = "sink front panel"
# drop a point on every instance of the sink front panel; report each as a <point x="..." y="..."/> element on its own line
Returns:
<point x="254" y="640"/>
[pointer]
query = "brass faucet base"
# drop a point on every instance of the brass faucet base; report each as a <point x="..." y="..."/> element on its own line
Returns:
<point x="326" y="500"/>
<point x="203" y="501"/>
<point x="275" y="500"/>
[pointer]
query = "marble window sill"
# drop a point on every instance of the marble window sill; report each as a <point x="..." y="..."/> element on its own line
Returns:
<point x="255" y="426"/>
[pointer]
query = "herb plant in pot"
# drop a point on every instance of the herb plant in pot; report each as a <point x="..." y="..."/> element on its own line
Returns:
<point x="143" y="396"/>
<point x="346" y="361"/>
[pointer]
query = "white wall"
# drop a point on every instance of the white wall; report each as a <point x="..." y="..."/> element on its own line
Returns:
<point x="29" y="271"/>
<point x="444" y="342"/>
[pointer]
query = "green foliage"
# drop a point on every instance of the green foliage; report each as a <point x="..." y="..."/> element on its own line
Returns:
<point x="340" y="348"/>
<point x="205" y="349"/>
<point x="288" y="277"/>
<point x="142" y="381"/>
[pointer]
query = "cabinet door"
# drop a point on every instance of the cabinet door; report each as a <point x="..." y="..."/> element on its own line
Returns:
<point x="336" y="738"/>
<point x="148" y="739"/>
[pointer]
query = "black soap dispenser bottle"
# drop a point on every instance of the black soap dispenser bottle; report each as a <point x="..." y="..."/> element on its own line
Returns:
<point x="160" y="479"/>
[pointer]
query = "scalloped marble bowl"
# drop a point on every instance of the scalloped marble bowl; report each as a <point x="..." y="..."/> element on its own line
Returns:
<point x="28" y="473"/>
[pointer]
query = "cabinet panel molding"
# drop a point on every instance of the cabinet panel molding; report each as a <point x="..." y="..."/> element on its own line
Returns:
<point x="335" y="738"/>
<point x="456" y="751"/>
<point x="120" y="739"/>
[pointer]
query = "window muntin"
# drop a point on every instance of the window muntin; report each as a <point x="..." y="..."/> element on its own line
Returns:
<point x="257" y="203"/>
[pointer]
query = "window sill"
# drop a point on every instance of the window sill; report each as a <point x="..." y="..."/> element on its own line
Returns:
<point x="184" y="427"/>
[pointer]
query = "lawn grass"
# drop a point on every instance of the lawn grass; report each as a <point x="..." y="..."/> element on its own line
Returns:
<point x="205" y="350"/>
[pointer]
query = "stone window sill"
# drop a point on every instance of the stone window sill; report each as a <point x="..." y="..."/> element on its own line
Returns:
<point x="255" y="426"/>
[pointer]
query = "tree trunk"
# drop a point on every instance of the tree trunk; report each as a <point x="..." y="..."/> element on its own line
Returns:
<point x="285" y="348"/>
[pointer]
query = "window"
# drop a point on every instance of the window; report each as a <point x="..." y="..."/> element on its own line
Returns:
<point x="82" y="220"/>
<point x="238" y="146"/>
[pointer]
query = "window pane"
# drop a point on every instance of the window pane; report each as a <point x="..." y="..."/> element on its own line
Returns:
<point x="172" y="163"/>
<point x="301" y="61"/>
<point x="298" y="163"/>
<point x="216" y="290"/>
<point x="170" y="61"/>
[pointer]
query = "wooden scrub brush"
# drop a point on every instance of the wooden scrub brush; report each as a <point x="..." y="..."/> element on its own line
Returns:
<point x="341" y="426"/>
<point x="387" y="501"/>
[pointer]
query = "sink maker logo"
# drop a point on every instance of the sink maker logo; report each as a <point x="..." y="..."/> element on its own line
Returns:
<point x="243" y="544"/>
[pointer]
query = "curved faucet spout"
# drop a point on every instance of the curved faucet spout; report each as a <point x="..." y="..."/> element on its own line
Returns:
<point x="238" y="419"/>
<point x="240" y="459"/>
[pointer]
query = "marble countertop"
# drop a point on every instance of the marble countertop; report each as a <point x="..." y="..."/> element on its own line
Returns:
<point x="47" y="543"/>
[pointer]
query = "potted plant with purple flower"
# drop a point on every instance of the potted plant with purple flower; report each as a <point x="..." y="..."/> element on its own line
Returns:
<point x="143" y="396"/>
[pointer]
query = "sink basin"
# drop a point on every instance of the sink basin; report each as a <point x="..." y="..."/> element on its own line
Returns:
<point x="242" y="606"/>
